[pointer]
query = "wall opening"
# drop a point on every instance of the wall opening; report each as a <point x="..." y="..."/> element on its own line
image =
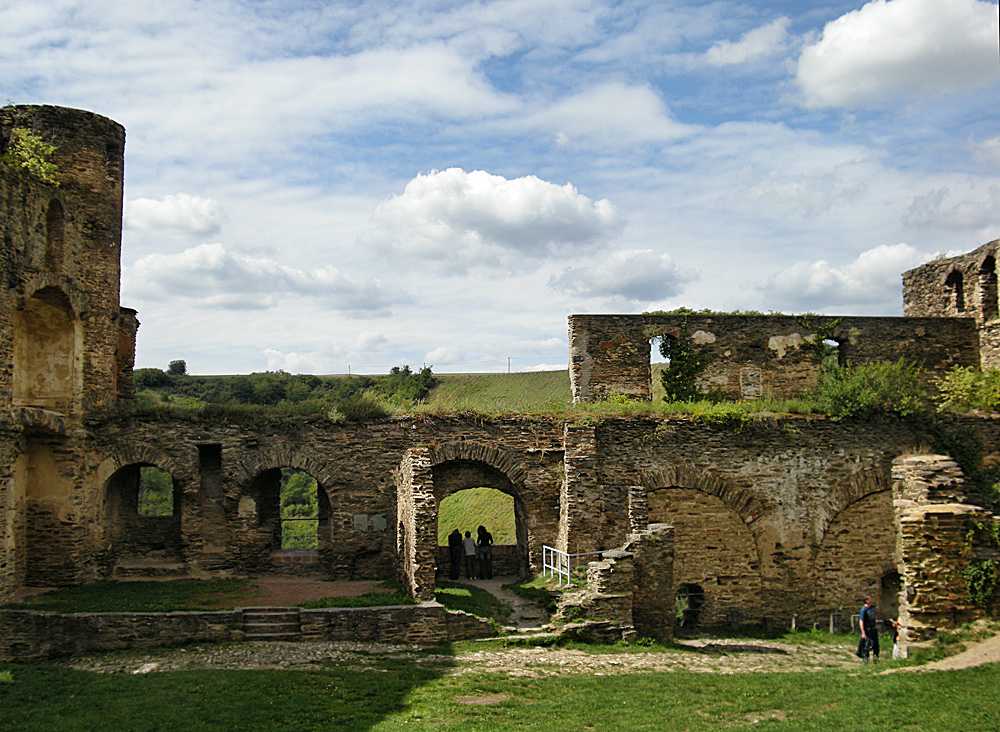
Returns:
<point x="657" y="363"/>
<point x="287" y="514"/>
<point x="476" y="485"/>
<point x="988" y="288"/>
<point x="689" y="600"/>
<point x="954" y="285"/>
<point x="299" y="510"/>
<point x="156" y="493"/>
<point x="891" y="585"/>
<point x="467" y="510"/>
<point x="45" y="369"/>
<point x="143" y="504"/>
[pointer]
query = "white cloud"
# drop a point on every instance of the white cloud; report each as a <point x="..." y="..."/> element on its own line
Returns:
<point x="636" y="275"/>
<point x="459" y="220"/>
<point x="988" y="152"/>
<point x="210" y="276"/>
<point x="293" y="363"/>
<point x="182" y="213"/>
<point x="919" y="48"/>
<point x="758" y="43"/>
<point x="873" y="279"/>
<point x="942" y="209"/>
<point x="609" y="115"/>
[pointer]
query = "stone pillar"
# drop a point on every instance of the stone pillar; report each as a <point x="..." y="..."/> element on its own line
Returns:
<point x="653" y="598"/>
<point x="416" y="519"/>
<point x="638" y="508"/>
<point x="932" y="520"/>
<point x="581" y="503"/>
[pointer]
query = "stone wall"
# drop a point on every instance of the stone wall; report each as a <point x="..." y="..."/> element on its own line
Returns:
<point x="755" y="356"/>
<point x="960" y="287"/>
<point x="36" y="635"/>
<point x="933" y="519"/>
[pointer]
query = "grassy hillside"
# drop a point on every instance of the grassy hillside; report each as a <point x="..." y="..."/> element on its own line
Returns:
<point x="467" y="509"/>
<point x="533" y="392"/>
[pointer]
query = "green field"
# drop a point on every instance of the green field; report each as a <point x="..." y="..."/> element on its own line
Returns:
<point x="468" y="509"/>
<point x="530" y="392"/>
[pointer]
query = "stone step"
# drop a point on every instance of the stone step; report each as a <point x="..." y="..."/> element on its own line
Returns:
<point x="271" y="623"/>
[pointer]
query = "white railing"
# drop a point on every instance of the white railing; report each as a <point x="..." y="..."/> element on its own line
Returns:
<point x="559" y="563"/>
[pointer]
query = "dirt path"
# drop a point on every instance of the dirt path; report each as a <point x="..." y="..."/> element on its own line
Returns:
<point x="527" y="615"/>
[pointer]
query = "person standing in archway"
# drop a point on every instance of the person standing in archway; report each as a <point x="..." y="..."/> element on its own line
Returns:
<point x="455" y="552"/>
<point x="470" y="555"/>
<point x="485" y="543"/>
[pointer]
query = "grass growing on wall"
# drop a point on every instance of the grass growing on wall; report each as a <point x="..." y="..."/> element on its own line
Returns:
<point x="467" y="509"/>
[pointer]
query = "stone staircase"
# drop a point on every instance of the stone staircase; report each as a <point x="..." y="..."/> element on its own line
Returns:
<point x="271" y="623"/>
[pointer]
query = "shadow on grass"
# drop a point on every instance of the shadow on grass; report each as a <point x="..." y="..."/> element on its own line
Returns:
<point x="349" y="696"/>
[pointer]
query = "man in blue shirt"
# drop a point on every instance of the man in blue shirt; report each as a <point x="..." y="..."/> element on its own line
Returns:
<point x="869" y="631"/>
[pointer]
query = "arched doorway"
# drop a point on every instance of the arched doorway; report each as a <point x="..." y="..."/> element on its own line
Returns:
<point x="479" y="484"/>
<point x="468" y="509"/>
<point x="143" y="506"/>
<point x="853" y="555"/>
<point x="713" y="552"/>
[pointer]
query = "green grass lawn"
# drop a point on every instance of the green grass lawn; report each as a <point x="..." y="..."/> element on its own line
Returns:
<point x="411" y="694"/>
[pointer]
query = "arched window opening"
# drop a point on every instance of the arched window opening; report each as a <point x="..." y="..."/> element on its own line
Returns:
<point x="955" y="286"/>
<point x="45" y="368"/>
<point x="156" y="493"/>
<point x="988" y="288"/>
<point x="54" y="236"/>
<point x="689" y="601"/>
<point x="467" y="510"/>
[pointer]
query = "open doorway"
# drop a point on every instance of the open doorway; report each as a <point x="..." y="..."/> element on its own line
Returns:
<point x="466" y="510"/>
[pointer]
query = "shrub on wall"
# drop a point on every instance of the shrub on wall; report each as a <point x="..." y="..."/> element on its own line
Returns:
<point x="964" y="389"/>
<point x="871" y="390"/>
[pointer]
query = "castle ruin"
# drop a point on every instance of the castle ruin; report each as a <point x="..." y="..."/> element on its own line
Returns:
<point x="801" y="516"/>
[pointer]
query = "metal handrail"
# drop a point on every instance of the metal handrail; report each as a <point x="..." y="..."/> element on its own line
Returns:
<point x="557" y="562"/>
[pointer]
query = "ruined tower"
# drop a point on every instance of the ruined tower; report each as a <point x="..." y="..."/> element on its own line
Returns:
<point x="66" y="345"/>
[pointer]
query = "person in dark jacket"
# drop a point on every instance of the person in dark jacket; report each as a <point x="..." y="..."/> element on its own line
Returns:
<point x="869" y="632"/>
<point x="455" y="552"/>
<point x="484" y="542"/>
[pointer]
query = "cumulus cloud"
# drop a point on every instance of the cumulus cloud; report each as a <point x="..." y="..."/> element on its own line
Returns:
<point x="758" y="43"/>
<point x="180" y="213"/>
<point x="293" y="363"/>
<point x="610" y="114"/>
<point x="460" y="220"/>
<point x="210" y="276"/>
<point x="941" y="209"/>
<point x="918" y="48"/>
<point x="873" y="279"/>
<point x="636" y="275"/>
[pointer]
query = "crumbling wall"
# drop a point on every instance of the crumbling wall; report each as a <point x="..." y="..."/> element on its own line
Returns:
<point x="964" y="286"/>
<point x="755" y="355"/>
<point x="933" y="519"/>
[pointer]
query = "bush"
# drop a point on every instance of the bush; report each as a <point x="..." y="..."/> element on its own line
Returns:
<point x="362" y="408"/>
<point x="871" y="390"/>
<point x="964" y="389"/>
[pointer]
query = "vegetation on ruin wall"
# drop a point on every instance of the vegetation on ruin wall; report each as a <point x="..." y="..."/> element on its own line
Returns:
<point x="32" y="155"/>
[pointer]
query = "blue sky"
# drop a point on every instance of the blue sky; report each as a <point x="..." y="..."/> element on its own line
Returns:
<point x="319" y="187"/>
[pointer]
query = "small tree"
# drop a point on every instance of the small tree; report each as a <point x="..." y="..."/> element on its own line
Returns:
<point x="686" y="360"/>
<point x="177" y="368"/>
<point x="33" y="155"/>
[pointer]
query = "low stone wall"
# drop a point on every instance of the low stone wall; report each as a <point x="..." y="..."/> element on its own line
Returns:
<point x="25" y="634"/>
<point x="29" y="635"/>
<point x="505" y="558"/>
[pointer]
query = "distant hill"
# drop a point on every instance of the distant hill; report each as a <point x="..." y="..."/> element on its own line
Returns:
<point x="534" y="391"/>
